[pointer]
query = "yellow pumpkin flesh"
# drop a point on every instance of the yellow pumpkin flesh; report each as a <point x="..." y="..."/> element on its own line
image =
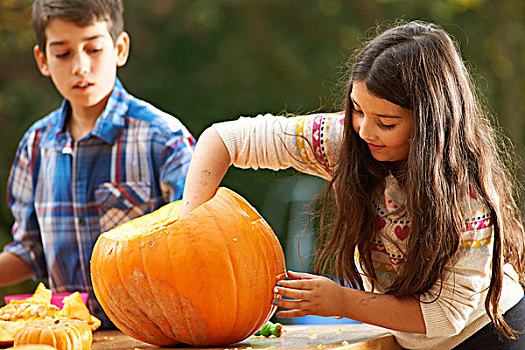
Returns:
<point x="33" y="347"/>
<point x="63" y="334"/>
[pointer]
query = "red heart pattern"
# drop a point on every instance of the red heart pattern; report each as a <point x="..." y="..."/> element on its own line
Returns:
<point x="402" y="232"/>
<point x="381" y="224"/>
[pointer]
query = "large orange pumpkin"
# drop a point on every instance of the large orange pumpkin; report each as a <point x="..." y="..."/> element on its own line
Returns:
<point x="205" y="280"/>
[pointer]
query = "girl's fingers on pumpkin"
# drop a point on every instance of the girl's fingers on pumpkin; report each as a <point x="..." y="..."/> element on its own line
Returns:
<point x="290" y="292"/>
<point x="291" y="313"/>
<point x="299" y="275"/>
<point x="296" y="284"/>
<point x="288" y="303"/>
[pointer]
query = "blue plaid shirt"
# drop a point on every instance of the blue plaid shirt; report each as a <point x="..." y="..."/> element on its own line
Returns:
<point x="64" y="194"/>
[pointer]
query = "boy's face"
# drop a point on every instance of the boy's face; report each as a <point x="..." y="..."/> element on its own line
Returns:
<point x="82" y="61"/>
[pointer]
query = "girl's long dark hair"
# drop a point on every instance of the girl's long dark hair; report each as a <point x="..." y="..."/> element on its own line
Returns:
<point x="454" y="152"/>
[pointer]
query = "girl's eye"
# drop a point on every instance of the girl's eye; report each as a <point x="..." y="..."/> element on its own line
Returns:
<point x="355" y="111"/>
<point x="385" y="126"/>
<point x="94" y="50"/>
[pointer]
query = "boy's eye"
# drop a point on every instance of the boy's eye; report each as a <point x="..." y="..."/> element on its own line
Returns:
<point x="62" y="54"/>
<point x="94" y="50"/>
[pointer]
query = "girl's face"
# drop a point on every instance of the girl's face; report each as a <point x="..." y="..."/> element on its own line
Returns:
<point x="383" y="125"/>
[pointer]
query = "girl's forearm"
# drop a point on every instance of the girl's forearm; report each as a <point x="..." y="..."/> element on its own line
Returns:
<point x="208" y="166"/>
<point x="383" y="310"/>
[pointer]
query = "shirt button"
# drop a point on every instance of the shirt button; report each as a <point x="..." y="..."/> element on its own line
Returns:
<point x="82" y="221"/>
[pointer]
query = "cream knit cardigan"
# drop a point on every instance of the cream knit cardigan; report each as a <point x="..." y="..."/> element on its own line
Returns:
<point x="311" y="145"/>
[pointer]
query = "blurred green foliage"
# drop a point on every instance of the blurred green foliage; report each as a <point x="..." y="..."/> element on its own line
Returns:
<point x="206" y="61"/>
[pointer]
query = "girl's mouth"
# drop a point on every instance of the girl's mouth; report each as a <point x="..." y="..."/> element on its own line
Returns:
<point x="374" y="147"/>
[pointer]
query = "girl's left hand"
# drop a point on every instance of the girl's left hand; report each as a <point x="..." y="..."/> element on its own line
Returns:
<point x="312" y="294"/>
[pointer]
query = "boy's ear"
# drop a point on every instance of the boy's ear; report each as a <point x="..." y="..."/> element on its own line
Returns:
<point x="41" y="61"/>
<point x="122" y="46"/>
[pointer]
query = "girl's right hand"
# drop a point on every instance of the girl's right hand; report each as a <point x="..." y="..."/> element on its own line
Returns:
<point x="208" y="166"/>
<point x="309" y="295"/>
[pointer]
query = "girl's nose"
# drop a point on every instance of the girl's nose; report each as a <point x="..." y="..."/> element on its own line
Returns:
<point x="365" y="129"/>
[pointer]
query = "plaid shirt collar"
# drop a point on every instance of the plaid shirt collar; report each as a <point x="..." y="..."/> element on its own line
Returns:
<point x="108" y="126"/>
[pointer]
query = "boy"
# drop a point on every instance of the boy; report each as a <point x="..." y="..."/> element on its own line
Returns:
<point x="103" y="158"/>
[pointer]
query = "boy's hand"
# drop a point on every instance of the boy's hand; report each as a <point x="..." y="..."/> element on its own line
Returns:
<point x="312" y="294"/>
<point x="13" y="269"/>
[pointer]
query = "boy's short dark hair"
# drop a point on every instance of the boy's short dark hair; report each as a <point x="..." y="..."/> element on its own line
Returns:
<point x="80" y="12"/>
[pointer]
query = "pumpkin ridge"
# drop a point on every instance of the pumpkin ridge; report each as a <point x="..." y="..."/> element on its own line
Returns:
<point x="194" y="334"/>
<point x="156" y="297"/>
<point x="262" y="319"/>
<point x="272" y="255"/>
<point x="161" y="305"/>
<point x="99" y="285"/>
<point x="187" y="314"/>
<point x="107" y="291"/>
<point x="138" y="308"/>
<point x="179" y="309"/>
<point x="277" y="258"/>
<point x="257" y="250"/>
<point x="130" y="320"/>
<point x="251" y="214"/>
<point x="59" y="333"/>
<point x="182" y="305"/>
<point x="121" y="315"/>
<point x="73" y="340"/>
<point x="233" y="276"/>
<point x="47" y="334"/>
<point x="255" y="221"/>
<point x="130" y="324"/>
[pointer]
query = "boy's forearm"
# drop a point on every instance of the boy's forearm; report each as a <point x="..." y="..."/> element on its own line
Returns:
<point x="384" y="310"/>
<point x="13" y="269"/>
<point x="208" y="166"/>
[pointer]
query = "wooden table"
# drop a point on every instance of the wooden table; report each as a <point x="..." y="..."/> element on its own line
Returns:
<point x="310" y="337"/>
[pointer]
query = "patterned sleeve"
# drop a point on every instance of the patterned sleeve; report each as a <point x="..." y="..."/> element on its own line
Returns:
<point x="310" y="144"/>
<point x="461" y="299"/>
<point x="27" y="242"/>
<point x="176" y="157"/>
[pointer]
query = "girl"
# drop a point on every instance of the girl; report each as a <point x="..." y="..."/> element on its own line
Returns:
<point x="425" y="231"/>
